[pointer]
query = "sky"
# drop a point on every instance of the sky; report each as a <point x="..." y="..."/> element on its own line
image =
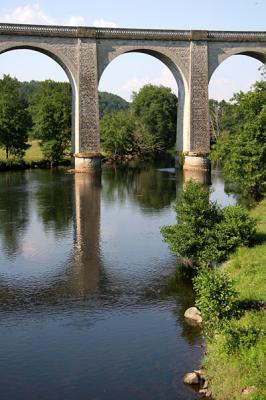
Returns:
<point x="130" y="72"/>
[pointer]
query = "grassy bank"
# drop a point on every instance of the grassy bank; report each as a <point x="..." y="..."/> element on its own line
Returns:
<point x="229" y="374"/>
<point x="33" y="154"/>
<point x="33" y="158"/>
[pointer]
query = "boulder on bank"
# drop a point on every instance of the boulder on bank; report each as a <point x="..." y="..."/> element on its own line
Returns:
<point x="193" y="314"/>
<point x="191" y="378"/>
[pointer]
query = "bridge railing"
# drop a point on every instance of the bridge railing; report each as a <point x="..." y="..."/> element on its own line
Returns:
<point x="124" y="33"/>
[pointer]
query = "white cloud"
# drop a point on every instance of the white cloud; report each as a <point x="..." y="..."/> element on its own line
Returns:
<point x="75" y="20"/>
<point x="103" y="23"/>
<point x="28" y="14"/>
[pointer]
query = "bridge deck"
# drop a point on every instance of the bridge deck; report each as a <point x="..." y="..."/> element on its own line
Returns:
<point x="127" y="33"/>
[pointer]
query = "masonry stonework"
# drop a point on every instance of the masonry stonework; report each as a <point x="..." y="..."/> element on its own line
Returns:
<point x="84" y="53"/>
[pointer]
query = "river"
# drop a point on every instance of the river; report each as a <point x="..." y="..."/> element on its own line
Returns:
<point x="82" y="272"/>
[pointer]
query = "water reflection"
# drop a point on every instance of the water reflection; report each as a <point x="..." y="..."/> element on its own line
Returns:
<point x="149" y="188"/>
<point x="54" y="201"/>
<point x="82" y="270"/>
<point x="86" y="264"/>
<point x="14" y="211"/>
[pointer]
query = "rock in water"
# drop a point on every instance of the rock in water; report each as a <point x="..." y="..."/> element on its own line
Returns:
<point x="194" y="314"/>
<point x="191" y="378"/>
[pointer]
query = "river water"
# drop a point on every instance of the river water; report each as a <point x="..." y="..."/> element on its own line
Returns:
<point x="82" y="271"/>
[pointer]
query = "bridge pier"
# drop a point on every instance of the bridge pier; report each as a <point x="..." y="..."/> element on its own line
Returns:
<point x="86" y="154"/>
<point x="196" y="141"/>
<point x="195" y="162"/>
<point x="87" y="162"/>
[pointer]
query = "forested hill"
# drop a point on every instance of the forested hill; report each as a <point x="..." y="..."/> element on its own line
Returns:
<point x="108" y="102"/>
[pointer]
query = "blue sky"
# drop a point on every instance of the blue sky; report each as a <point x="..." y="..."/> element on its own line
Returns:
<point x="129" y="72"/>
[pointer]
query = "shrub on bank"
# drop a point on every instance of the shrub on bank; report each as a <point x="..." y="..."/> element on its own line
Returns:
<point x="205" y="233"/>
<point x="216" y="298"/>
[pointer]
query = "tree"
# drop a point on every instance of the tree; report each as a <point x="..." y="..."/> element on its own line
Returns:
<point x="155" y="109"/>
<point x="205" y="233"/>
<point x="222" y="118"/>
<point x="117" y="133"/>
<point x="50" y="105"/>
<point x="242" y="150"/>
<point x="15" y="120"/>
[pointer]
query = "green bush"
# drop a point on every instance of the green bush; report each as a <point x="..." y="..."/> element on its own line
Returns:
<point x="241" y="338"/>
<point x="205" y="233"/>
<point x="53" y="151"/>
<point x="216" y="298"/>
<point x="235" y="229"/>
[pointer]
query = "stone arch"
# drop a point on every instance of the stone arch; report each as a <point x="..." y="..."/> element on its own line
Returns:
<point x="218" y="56"/>
<point x="64" y="63"/>
<point x="178" y="71"/>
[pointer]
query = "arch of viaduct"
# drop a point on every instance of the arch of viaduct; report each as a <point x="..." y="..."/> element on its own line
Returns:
<point x="85" y="52"/>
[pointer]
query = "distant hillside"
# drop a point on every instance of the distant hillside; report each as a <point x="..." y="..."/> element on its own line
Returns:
<point x="108" y="102"/>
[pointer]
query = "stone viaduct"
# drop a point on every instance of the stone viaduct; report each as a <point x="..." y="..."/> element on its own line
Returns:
<point x="85" y="52"/>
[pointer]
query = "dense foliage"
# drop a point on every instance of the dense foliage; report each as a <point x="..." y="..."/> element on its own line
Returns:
<point x="242" y="147"/>
<point x="50" y="106"/>
<point x="216" y="298"/>
<point x="204" y="232"/>
<point x="117" y="133"/>
<point x="15" y="120"/>
<point x="147" y="128"/>
<point x="155" y="109"/>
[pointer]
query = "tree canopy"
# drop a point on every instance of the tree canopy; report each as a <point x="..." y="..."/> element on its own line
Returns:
<point x="242" y="148"/>
<point x="50" y="105"/>
<point x="155" y="108"/>
<point x="146" y="129"/>
<point x="15" y="120"/>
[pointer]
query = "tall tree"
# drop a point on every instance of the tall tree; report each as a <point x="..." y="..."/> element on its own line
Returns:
<point x="155" y="108"/>
<point x="15" y="120"/>
<point x="243" y="149"/>
<point x="50" y="105"/>
<point x="117" y="133"/>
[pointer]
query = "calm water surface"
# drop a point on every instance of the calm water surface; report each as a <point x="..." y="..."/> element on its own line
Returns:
<point x="82" y="267"/>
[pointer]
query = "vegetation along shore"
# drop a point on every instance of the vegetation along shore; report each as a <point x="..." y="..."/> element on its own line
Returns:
<point x="223" y="250"/>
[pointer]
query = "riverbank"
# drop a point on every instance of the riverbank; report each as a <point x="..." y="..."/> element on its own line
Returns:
<point x="33" y="159"/>
<point x="241" y="374"/>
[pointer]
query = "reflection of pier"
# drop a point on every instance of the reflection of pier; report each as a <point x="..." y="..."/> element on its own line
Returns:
<point x="81" y="271"/>
<point x="86" y="260"/>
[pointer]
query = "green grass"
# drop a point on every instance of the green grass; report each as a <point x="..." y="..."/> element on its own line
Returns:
<point x="229" y="374"/>
<point x="33" y="154"/>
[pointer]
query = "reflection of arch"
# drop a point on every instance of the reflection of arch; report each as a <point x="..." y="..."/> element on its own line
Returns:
<point x="60" y="60"/>
<point x="176" y="70"/>
<point x="221" y="54"/>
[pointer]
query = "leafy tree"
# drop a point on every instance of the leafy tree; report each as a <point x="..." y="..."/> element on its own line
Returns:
<point x="117" y="133"/>
<point x="222" y="118"/>
<point x="50" y="105"/>
<point x="155" y="109"/>
<point x="15" y="120"/>
<point x="243" y="149"/>
<point x="205" y="233"/>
